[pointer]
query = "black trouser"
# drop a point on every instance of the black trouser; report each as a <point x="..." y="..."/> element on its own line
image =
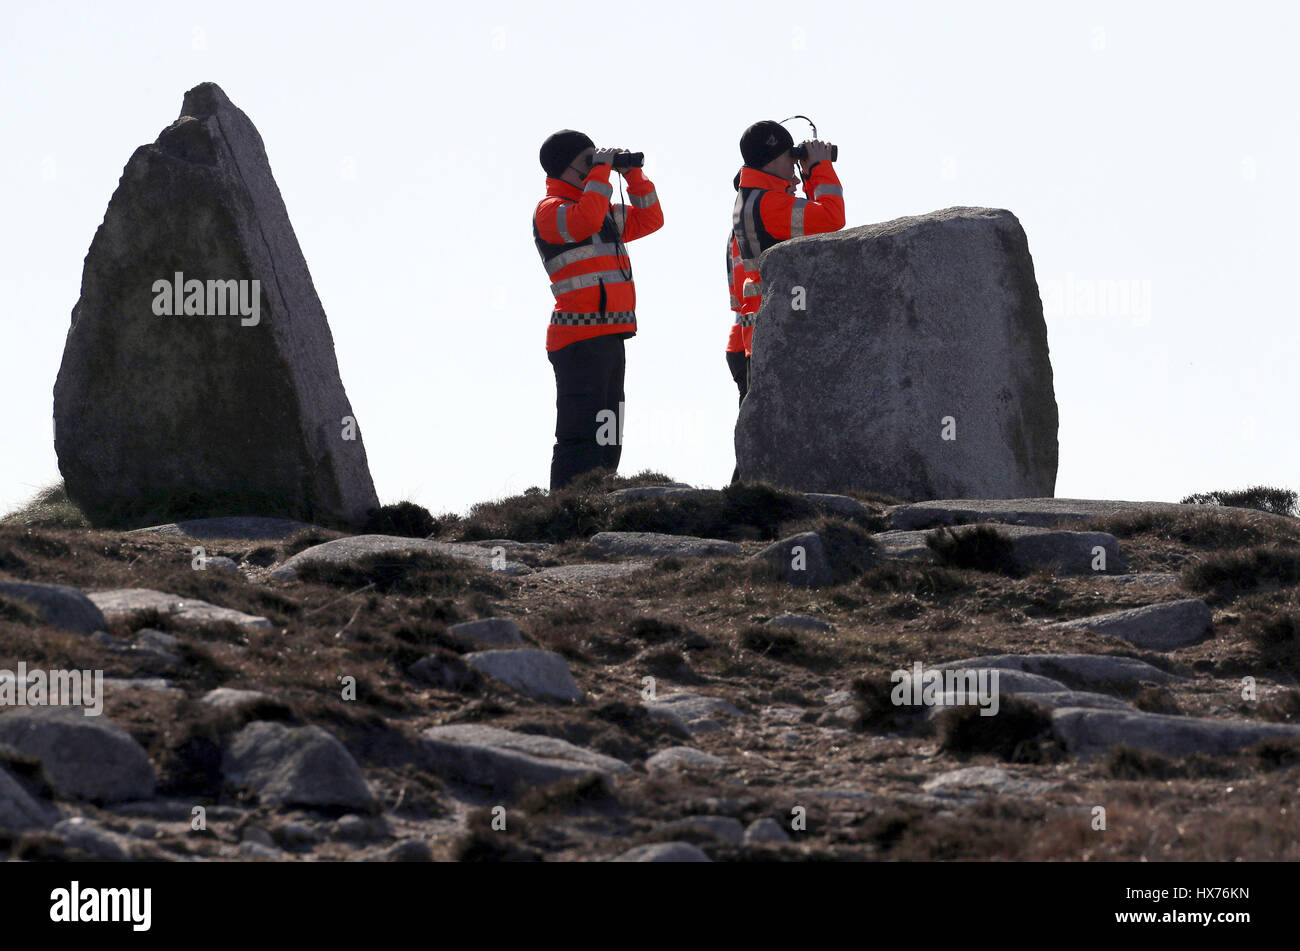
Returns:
<point x="738" y="363"/>
<point x="588" y="380"/>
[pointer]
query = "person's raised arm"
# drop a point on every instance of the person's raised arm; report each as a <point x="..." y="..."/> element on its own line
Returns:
<point x="561" y="222"/>
<point x="642" y="215"/>
<point x="822" y="211"/>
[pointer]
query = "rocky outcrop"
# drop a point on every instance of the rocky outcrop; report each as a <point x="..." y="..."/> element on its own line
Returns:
<point x="85" y="757"/>
<point x="199" y="376"/>
<point x="126" y="605"/>
<point x="295" y="766"/>
<point x="1081" y="669"/>
<point x="57" y="605"/>
<point x="355" y="549"/>
<point x="1087" y="733"/>
<point x="908" y="358"/>
<point x="506" y="761"/>
<point x="543" y="675"/>
<point x="1154" y="626"/>
<point x="801" y="559"/>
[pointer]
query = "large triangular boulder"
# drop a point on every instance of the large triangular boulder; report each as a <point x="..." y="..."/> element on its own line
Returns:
<point x="161" y="412"/>
<point x="908" y="358"/>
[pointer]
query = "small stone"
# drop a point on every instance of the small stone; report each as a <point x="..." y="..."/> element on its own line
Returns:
<point x="693" y="713"/>
<point x="92" y="839"/>
<point x="295" y="766"/>
<point x="60" y="606"/>
<point x="19" y="810"/>
<point x="666" y="663"/>
<point x="444" y="670"/>
<point x="982" y="778"/>
<point x="543" y="675"/>
<point x="683" y="758"/>
<point x="503" y="760"/>
<point x="664" y="852"/>
<point x="229" y="698"/>
<point x="352" y="828"/>
<point x="256" y="850"/>
<point x="259" y="835"/>
<point x="801" y="560"/>
<point x="144" y="830"/>
<point x="296" y="835"/>
<point x="765" y="830"/>
<point x="156" y="649"/>
<point x="156" y="640"/>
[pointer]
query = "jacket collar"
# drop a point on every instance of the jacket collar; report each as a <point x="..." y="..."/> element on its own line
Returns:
<point x="557" y="186"/>
<point x="754" y="178"/>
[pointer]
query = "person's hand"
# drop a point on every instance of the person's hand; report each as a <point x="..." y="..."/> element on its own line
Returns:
<point x="818" y="151"/>
<point x="605" y="156"/>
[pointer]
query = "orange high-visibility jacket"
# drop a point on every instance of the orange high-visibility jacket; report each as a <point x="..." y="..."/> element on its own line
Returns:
<point x="735" y="280"/>
<point x="766" y="215"/>
<point x="579" y="235"/>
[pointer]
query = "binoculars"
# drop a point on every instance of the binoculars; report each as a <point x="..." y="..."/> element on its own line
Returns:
<point x="800" y="152"/>
<point x="629" y="159"/>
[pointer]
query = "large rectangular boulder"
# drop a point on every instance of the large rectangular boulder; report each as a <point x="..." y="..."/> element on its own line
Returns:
<point x="199" y="376"/>
<point x="908" y="358"/>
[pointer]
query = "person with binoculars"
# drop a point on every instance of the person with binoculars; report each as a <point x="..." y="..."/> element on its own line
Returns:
<point x="768" y="212"/>
<point x="580" y="234"/>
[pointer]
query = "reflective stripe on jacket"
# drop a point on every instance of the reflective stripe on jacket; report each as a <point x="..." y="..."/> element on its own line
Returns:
<point x="579" y="235"/>
<point x="735" y="277"/>
<point x="765" y="214"/>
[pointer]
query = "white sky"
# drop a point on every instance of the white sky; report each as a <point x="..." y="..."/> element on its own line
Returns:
<point x="1153" y="144"/>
